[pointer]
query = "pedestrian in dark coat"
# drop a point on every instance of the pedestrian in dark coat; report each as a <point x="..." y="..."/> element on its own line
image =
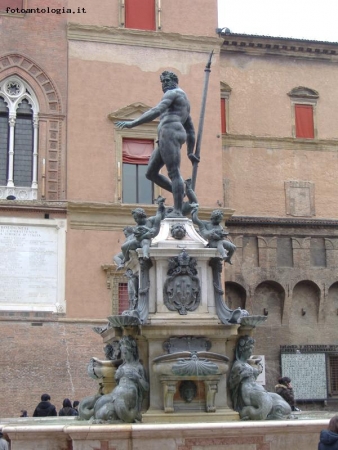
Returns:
<point x="45" y="408"/>
<point x="76" y="406"/>
<point x="329" y="438"/>
<point x="67" y="409"/>
<point x="285" y="390"/>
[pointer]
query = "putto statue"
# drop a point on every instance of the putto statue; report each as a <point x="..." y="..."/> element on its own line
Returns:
<point x="214" y="233"/>
<point x="146" y="229"/>
<point x="174" y="130"/>
<point x="249" y="398"/>
<point x="124" y="403"/>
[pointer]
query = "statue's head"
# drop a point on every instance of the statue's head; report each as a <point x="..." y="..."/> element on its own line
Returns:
<point x="138" y="213"/>
<point x="169" y="80"/>
<point x="244" y="346"/>
<point x="188" y="390"/>
<point x="112" y="351"/>
<point x="216" y="216"/>
<point x="178" y="231"/>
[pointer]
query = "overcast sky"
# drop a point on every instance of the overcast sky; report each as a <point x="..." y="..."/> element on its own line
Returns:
<point x="304" y="19"/>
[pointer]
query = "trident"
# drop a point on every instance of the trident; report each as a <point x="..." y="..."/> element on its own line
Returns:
<point x="197" y="153"/>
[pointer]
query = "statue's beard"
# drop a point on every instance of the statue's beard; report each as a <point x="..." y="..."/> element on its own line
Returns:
<point x="169" y="86"/>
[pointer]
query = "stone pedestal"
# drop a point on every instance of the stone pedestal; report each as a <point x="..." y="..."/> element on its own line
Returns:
<point x="184" y="336"/>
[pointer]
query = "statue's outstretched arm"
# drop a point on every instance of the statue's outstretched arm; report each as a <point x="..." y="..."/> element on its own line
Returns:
<point x="150" y="115"/>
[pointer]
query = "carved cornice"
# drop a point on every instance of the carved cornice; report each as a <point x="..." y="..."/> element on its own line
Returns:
<point x="141" y="38"/>
<point x="33" y="205"/>
<point x="303" y="92"/>
<point x="114" y="216"/>
<point x="283" y="143"/>
<point x="277" y="46"/>
<point x="281" y="222"/>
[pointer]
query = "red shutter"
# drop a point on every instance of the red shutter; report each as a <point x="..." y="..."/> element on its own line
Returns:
<point x="140" y="14"/>
<point x="137" y="151"/>
<point x="223" y="116"/>
<point x="304" y="121"/>
<point x="12" y="4"/>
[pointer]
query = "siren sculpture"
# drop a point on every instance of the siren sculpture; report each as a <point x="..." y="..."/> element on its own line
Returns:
<point x="249" y="398"/>
<point x="124" y="403"/>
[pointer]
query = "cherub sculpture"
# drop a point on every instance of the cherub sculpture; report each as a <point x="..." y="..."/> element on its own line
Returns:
<point x="146" y="229"/>
<point x="212" y="231"/>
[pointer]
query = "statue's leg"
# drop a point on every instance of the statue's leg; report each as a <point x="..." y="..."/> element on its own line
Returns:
<point x="171" y="155"/>
<point x="145" y="248"/>
<point x="230" y="248"/>
<point x="189" y="191"/>
<point x="129" y="245"/>
<point x="154" y="166"/>
<point x="220" y="248"/>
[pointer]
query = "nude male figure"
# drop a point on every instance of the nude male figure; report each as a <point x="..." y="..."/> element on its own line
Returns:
<point x="175" y="128"/>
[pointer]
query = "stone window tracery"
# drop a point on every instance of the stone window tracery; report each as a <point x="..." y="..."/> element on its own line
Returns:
<point x="19" y="113"/>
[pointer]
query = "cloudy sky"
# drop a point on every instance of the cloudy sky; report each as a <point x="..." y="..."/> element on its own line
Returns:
<point x="304" y="19"/>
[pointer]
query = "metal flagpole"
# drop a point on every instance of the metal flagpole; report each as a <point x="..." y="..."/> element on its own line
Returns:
<point x="197" y="153"/>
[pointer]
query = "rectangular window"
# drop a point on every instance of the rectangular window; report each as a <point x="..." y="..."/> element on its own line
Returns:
<point x="223" y="116"/>
<point x="135" y="156"/>
<point x="304" y="121"/>
<point x="13" y="4"/>
<point x="123" y="297"/>
<point x="140" y="14"/>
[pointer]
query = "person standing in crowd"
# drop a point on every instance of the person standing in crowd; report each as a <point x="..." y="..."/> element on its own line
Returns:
<point x="285" y="390"/>
<point x="67" y="409"/>
<point x="76" y="406"/>
<point x="23" y="413"/>
<point x="45" y="408"/>
<point x="329" y="438"/>
<point x="3" y="442"/>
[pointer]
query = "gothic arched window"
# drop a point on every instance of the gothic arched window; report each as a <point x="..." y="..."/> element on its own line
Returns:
<point x="18" y="139"/>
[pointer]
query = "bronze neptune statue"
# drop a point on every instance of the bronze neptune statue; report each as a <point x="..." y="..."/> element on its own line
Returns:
<point x="175" y="128"/>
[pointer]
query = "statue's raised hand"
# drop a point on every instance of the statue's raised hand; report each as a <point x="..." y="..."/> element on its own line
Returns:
<point x="123" y="124"/>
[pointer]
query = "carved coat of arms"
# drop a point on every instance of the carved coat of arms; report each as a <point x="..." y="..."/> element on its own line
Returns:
<point x="182" y="291"/>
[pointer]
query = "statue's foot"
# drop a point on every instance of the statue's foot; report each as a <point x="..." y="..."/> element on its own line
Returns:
<point x="228" y="260"/>
<point x="175" y="214"/>
<point x="120" y="266"/>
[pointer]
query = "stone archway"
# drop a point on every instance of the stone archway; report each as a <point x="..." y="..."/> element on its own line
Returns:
<point x="269" y="300"/>
<point x="235" y="295"/>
